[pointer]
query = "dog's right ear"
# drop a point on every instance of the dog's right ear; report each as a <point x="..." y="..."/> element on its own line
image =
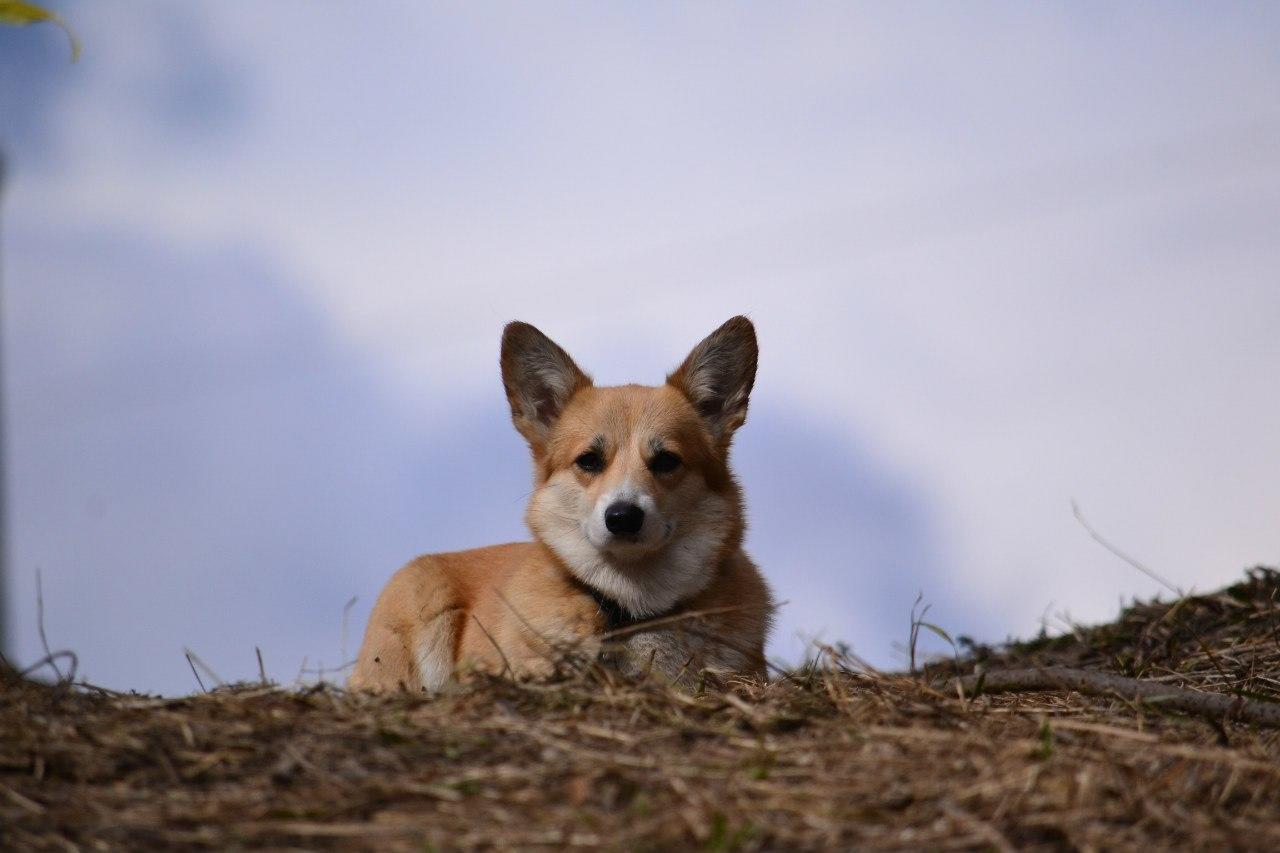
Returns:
<point x="539" y="377"/>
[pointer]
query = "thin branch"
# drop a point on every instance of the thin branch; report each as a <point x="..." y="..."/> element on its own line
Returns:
<point x="49" y="660"/>
<point x="194" y="660"/>
<point x="346" y="613"/>
<point x="559" y="649"/>
<point x="686" y="616"/>
<point x="1215" y="706"/>
<point x="320" y="670"/>
<point x="49" y="656"/>
<point x="506" y="664"/>
<point x="192" y="664"/>
<point x="1097" y="537"/>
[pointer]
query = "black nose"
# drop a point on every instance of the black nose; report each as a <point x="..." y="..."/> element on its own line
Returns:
<point x="623" y="519"/>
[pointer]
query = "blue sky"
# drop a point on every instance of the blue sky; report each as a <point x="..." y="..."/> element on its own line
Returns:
<point x="257" y="259"/>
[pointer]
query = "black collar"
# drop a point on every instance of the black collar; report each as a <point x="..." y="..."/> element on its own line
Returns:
<point x="616" y="617"/>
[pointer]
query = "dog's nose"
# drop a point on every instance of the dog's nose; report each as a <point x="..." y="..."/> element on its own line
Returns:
<point x="623" y="519"/>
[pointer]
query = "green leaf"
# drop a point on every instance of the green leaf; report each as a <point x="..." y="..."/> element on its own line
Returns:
<point x="15" y="13"/>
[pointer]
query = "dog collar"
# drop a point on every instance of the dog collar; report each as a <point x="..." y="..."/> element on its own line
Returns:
<point x="615" y="615"/>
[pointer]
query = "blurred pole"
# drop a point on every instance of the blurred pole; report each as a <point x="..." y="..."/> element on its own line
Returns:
<point x="4" y="478"/>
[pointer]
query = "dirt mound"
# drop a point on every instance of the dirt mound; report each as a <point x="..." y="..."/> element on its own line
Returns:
<point x="1227" y="641"/>
<point x="832" y="755"/>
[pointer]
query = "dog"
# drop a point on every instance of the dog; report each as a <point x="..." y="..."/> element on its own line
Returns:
<point x="637" y="526"/>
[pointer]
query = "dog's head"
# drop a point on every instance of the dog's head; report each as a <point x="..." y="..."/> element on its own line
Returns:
<point x="632" y="484"/>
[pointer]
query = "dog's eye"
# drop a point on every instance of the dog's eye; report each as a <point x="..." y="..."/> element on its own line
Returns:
<point x="664" y="462"/>
<point x="591" y="462"/>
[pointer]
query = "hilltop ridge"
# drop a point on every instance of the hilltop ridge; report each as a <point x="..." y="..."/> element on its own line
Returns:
<point x="831" y="755"/>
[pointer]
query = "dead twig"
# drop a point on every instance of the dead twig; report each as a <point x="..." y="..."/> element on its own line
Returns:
<point x="199" y="681"/>
<point x="49" y="656"/>
<point x="346" y="617"/>
<point x="1093" y="683"/>
<point x="50" y="660"/>
<point x="195" y="661"/>
<point x="506" y="664"/>
<point x="1097" y="537"/>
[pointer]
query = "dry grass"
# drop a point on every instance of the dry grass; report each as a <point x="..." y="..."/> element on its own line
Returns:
<point x="830" y="756"/>
<point x="1227" y="641"/>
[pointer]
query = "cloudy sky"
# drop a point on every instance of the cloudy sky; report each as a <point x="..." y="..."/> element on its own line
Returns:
<point x="257" y="258"/>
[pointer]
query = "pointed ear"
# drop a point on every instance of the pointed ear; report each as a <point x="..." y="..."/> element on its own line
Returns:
<point x="718" y="375"/>
<point x="539" y="378"/>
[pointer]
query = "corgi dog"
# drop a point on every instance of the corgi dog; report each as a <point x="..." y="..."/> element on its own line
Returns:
<point x="637" y="526"/>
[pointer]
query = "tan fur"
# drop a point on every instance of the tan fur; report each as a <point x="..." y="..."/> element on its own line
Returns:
<point x="519" y="606"/>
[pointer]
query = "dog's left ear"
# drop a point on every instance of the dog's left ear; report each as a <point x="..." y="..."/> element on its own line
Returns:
<point x="540" y="378"/>
<point x="718" y="375"/>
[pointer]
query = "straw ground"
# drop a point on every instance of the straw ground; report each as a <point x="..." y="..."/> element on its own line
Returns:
<point x="833" y="755"/>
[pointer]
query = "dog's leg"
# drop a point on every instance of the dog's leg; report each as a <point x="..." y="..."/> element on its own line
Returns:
<point x="413" y="633"/>
<point x="385" y="662"/>
<point x="684" y="657"/>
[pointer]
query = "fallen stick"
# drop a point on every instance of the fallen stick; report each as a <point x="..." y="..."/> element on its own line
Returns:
<point x="1093" y="683"/>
